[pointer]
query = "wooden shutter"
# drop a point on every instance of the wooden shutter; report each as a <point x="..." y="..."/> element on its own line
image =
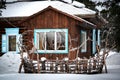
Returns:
<point x="4" y="43"/>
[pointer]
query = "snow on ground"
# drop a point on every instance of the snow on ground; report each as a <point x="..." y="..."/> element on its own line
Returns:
<point x="9" y="64"/>
<point x="113" y="60"/>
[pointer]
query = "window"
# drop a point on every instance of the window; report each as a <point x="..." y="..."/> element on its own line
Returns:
<point x="9" y="40"/>
<point x="51" y="40"/>
<point x="12" y="42"/>
<point x="83" y="41"/>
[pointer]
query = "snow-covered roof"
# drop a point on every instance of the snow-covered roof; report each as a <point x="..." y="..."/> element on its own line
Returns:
<point x="11" y="0"/>
<point x="78" y="4"/>
<point x="24" y="9"/>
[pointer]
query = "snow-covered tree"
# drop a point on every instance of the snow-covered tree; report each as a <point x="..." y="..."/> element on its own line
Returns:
<point x="2" y="5"/>
<point x="111" y="13"/>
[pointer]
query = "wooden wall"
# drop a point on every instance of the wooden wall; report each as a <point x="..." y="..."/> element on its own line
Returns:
<point x="53" y="19"/>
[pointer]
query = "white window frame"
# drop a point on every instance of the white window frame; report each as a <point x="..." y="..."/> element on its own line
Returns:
<point x="51" y="30"/>
<point x="84" y="42"/>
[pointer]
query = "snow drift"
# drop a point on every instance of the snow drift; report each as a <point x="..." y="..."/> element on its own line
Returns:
<point x="9" y="62"/>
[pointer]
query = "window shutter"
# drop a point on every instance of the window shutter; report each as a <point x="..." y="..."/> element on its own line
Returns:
<point x="4" y="43"/>
<point x="94" y="41"/>
<point x="99" y="37"/>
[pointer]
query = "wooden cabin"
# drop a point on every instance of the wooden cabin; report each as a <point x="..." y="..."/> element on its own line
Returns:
<point x="58" y="29"/>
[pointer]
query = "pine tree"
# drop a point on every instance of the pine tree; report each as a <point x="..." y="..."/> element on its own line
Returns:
<point x="112" y="15"/>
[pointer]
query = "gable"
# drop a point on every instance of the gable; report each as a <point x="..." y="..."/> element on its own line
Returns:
<point x="51" y="12"/>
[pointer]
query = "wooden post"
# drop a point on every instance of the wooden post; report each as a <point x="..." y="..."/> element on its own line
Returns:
<point x="38" y="63"/>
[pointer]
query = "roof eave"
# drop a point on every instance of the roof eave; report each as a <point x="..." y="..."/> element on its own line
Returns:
<point x="86" y="15"/>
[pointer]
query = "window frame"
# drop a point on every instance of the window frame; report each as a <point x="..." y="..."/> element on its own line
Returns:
<point x="5" y="39"/>
<point x="85" y="48"/>
<point x="52" y="30"/>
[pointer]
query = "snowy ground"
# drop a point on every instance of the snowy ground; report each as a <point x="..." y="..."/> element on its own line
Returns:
<point x="9" y="64"/>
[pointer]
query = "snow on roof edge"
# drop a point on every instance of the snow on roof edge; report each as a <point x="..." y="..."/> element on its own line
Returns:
<point x="78" y="4"/>
<point x="59" y="6"/>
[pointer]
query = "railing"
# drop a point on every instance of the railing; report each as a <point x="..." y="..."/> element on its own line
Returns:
<point x="92" y="65"/>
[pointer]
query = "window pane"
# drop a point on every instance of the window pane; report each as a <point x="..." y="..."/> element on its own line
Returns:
<point x="83" y="41"/>
<point x="41" y="40"/>
<point x="60" y="40"/>
<point x="12" y="43"/>
<point x="50" y="40"/>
